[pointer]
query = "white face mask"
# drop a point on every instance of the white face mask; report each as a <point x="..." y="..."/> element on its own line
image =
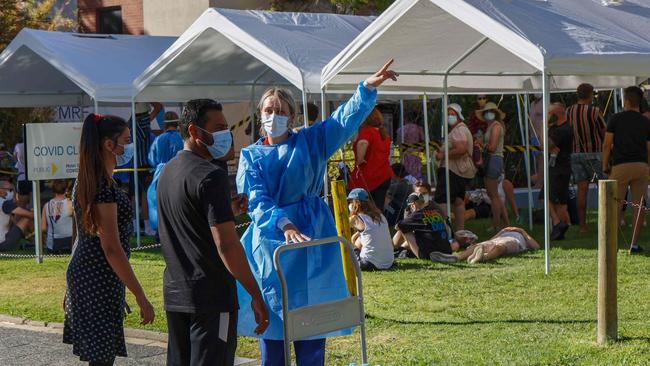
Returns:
<point x="452" y="120"/>
<point x="274" y="124"/>
<point x="9" y="196"/>
<point x="426" y="197"/>
<point x="489" y="116"/>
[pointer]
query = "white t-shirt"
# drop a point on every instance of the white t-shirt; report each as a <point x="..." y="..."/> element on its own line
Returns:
<point x="59" y="220"/>
<point x="5" y="218"/>
<point x="377" y="245"/>
<point x="521" y="241"/>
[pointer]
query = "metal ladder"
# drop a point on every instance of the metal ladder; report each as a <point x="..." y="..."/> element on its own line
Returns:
<point x="313" y="320"/>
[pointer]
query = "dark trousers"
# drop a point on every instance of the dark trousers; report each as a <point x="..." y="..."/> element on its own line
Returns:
<point x="201" y="339"/>
<point x="379" y="194"/>
<point x="308" y="353"/>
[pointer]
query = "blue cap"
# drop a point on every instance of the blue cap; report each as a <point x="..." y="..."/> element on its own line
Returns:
<point x="358" y="194"/>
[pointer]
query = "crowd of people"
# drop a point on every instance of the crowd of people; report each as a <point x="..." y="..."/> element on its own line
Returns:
<point x="217" y="285"/>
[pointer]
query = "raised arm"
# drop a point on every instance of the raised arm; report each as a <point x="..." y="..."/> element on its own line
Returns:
<point x="345" y="121"/>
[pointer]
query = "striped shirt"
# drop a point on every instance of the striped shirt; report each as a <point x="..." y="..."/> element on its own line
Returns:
<point x="588" y="128"/>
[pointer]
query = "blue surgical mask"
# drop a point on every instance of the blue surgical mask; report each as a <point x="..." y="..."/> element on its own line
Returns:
<point x="9" y="196"/>
<point x="221" y="143"/>
<point x="489" y="116"/>
<point x="452" y="120"/>
<point x="126" y="156"/>
<point x="274" y="124"/>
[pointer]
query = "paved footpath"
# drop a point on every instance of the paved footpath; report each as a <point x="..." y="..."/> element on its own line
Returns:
<point x="22" y="344"/>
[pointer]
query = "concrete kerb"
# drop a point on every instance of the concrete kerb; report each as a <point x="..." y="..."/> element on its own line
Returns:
<point x="133" y="336"/>
<point x="139" y="334"/>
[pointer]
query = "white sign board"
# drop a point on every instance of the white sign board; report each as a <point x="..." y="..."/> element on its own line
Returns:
<point x="52" y="150"/>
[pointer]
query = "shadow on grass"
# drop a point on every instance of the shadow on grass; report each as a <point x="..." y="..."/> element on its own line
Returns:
<point x="478" y="322"/>
<point x="629" y="339"/>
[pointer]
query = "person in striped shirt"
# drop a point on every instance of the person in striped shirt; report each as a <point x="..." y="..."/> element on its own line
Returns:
<point x="588" y="132"/>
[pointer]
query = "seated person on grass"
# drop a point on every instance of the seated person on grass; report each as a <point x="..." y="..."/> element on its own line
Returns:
<point x="424" y="231"/>
<point x="478" y="205"/>
<point x="372" y="240"/>
<point x="508" y="241"/>
<point x="14" y="221"/>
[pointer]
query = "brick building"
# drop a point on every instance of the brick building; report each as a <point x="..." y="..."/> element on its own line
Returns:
<point x="153" y="17"/>
<point x="111" y="16"/>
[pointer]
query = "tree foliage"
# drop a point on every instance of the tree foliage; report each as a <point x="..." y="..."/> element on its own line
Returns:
<point x="361" y="7"/>
<point x="14" y="16"/>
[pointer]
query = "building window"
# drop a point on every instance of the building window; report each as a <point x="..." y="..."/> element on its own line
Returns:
<point x="109" y="20"/>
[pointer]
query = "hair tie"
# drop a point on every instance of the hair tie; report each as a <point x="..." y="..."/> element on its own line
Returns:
<point x="98" y="117"/>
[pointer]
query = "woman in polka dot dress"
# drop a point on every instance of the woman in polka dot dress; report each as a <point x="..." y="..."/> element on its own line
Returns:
<point x="99" y="268"/>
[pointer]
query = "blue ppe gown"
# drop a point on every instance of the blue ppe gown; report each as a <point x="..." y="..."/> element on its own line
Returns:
<point x="164" y="148"/>
<point x="285" y="181"/>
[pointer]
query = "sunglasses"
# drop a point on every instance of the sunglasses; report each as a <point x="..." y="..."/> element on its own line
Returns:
<point x="482" y="98"/>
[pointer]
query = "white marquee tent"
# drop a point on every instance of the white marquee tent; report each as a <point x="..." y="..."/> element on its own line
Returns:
<point x="40" y="68"/>
<point x="226" y="54"/>
<point x="500" y="46"/>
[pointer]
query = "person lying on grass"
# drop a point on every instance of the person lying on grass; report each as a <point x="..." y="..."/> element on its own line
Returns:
<point x="508" y="241"/>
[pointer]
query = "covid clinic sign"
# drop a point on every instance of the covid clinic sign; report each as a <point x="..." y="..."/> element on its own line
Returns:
<point x="52" y="150"/>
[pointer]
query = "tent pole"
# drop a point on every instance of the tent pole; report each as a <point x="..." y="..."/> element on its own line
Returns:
<point x="527" y="156"/>
<point x="445" y="113"/>
<point x="547" y="224"/>
<point x="523" y="135"/>
<point x="622" y="99"/>
<point x="253" y="114"/>
<point x="426" y="137"/>
<point x="401" y="119"/>
<point x="134" y="125"/>
<point x="304" y="109"/>
<point x="323" y="117"/>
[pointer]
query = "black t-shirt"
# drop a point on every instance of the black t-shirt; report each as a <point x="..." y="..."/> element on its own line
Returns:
<point x="430" y="230"/>
<point x="631" y="133"/>
<point x="193" y="194"/>
<point x="562" y="137"/>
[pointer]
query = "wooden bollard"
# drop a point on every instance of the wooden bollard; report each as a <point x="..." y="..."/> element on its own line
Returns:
<point x="608" y="211"/>
<point x="342" y="218"/>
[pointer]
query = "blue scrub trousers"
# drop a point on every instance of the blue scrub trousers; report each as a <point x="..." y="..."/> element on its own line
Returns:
<point x="308" y="353"/>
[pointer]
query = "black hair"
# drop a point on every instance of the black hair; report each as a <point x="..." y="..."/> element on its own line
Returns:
<point x="195" y="111"/>
<point x="634" y="95"/>
<point x="398" y="170"/>
<point x="585" y="90"/>
<point x="312" y="111"/>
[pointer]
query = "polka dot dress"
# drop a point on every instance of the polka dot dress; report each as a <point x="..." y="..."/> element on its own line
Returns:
<point x="94" y="306"/>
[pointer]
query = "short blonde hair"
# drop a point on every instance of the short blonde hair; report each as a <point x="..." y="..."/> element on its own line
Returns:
<point x="284" y="95"/>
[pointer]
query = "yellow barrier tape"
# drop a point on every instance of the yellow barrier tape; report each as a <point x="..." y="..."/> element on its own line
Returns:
<point x="240" y="123"/>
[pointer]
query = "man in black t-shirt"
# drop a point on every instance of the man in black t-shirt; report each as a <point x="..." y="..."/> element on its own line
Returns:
<point x="560" y="145"/>
<point x="425" y="229"/>
<point x="628" y="140"/>
<point x="201" y="249"/>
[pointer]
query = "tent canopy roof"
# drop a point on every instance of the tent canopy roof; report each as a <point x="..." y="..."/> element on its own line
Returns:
<point x="501" y="45"/>
<point x="41" y="68"/>
<point x="226" y="51"/>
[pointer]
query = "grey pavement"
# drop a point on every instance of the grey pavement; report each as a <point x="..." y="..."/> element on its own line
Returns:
<point x="32" y="345"/>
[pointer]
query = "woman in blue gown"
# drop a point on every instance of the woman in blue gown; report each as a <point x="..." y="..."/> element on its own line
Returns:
<point x="282" y="174"/>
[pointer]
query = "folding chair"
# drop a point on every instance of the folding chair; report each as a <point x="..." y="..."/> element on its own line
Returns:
<point x="313" y="320"/>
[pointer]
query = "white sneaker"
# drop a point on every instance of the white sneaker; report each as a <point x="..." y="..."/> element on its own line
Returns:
<point x="477" y="256"/>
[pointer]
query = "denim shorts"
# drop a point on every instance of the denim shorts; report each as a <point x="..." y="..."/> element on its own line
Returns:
<point x="494" y="167"/>
<point x="585" y="165"/>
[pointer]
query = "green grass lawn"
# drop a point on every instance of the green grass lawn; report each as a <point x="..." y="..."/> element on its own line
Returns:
<point x="421" y="313"/>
